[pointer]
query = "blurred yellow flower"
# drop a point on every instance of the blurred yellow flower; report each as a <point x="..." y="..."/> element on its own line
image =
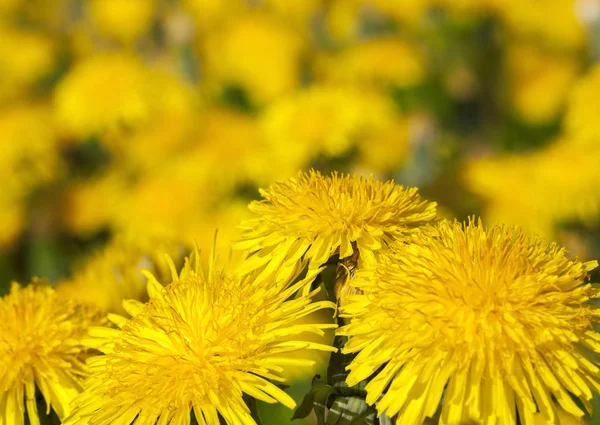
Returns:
<point x="199" y="344"/>
<point x="222" y="220"/>
<point x="383" y="61"/>
<point x="114" y="273"/>
<point x="8" y="7"/>
<point x="409" y="12"/>
<point x="581" y="120"/>
<point x="40" y="346"/>
<point x="557" y="27"/>
<point x="28" y="147"/>
<point x="385" y="150"/>
<point x="12" y="220"/>
<point x="169" y="130"/>
<point x="123" y="20"/>
<point x="26" y="56"/>
<point x="257" y="53"/>
<point x="299" y="13"/>
<point x="88" y="206"/>
<point x="541" y="189"/>
<point x="315" y="217"/>
<point x="230" y="145"/>
<point x="488" y="322"/>
<point x="105" y="93"/>
<point x="539" y="81"/>
<point x="210" y="14"/>
<point x="325" y="119"/>
<point x="29" y="158"/>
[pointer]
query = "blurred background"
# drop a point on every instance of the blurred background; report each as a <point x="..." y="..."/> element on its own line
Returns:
<point x="131" y="128"/>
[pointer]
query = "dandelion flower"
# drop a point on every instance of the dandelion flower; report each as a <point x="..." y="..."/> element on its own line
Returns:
<point x="580" y="120"/>
<point x="40" y="347"/>
<point x="199" y="344"/>
<point x="380" y="61"/>
<point x="235" y="55"/>
<point x="325" y="119"/>
<point x="559" y="26"/>
<point x="541" y="189"/>
<point x="114" y="273"/>
<point x="498" y="319"/>
<point x="122" y="20"/>
<point x="539" y="81"/>
<point x="25" y="57"/>
<point x="315" y="216"/>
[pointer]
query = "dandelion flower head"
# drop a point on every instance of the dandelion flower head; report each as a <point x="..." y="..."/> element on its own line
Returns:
<point x="534" y="191"/>
<point x="315" y="216"/>
<point x="40" y="346"/>
<point x="234" y="55"/>
<point x="498" y="320"/>
<point x="114" y="273"/>
<point x="580" y="120"/>
<point x="199" y="344"/>
<point x="379" y="61"/>
<point x="124" y="21"/>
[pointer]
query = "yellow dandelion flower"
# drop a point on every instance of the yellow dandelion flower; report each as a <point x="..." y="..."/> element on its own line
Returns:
<point x="114" y="273"/>
<point x="102" y="93"/>
<point x="489" y="322"/>
<point x="12" y="220"/>
<point x="325" y="119"/>
<point x="405" y="12"/>
<point x="383" y="61"/>
<point x="315" y="216"/>
<point x="92" y="204"/>
<point x="581" y="121"/>
<point x="297" y="13"/>
<point x="8" y="7"/>
<point x="229" y="143"/>
<point x="534" y="191"/>
<point x="559" y="26"/>
<point x="25" y="57"/>
<point x="385" y="150"/>
<point x="123" y="20"/>
<point x="199" y="344"/>
<point x="210" y="14"/>
<point x="539" y="81"/>
<point x="256" y="52"/>
<point x="40" y="346"/>
<point x="28" y="147"/>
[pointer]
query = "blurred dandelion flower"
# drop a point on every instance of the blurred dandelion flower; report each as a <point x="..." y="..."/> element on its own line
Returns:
<point x="379" y="61"/>
<point x="325" y="119"/>
<point x="122" y="20"/>
<point x="114" y="273"/>
<point x="558" y="27"/>
<point x="498" y="319"/>
<point x="314" y="216"/>
<point x="200" y="343"/>
<point x="581" y="121"/>
<point x="25" y="58"/>
<point x="532" y="189"/>
<point x="40" y="346"/>
<point x="235" y="55"/>
<point x="539" y="81"/>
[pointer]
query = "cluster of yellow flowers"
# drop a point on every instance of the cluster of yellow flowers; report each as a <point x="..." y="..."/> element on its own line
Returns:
<point x="455" y="321"/>
<point x="131" y="130"/>
<point x="195" y="101"/>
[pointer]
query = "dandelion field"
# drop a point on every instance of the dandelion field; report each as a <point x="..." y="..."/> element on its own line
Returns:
<point x="331" y="212"/>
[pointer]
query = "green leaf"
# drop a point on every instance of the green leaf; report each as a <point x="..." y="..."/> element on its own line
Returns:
<point x="350" y="411"/>
<point x="315" y="399"/>
<point x="337" y="373"/>
<point x="305" y="407"/>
